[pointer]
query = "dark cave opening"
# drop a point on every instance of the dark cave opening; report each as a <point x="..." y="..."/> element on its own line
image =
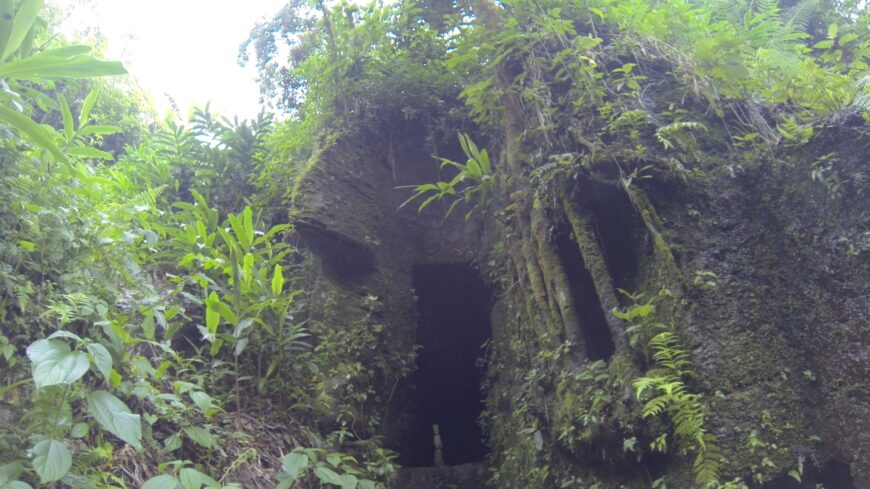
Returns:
<point x="832" y="475"/>
<point x="593" y="325"/>
<point x="453" y="309"/>
<point x="837" y="475"/>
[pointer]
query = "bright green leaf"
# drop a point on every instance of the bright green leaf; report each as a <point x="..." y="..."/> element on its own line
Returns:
<point x="294" y="463"/>
<point x="54" y="363"/>
<point x="201" y="436"/>
<point x="194" y="479"/>
<point x="348" y="481"/>
<point x="327" y="476"/>
<point x="161" y="482"/>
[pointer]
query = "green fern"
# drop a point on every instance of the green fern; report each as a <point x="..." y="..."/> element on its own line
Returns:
<point x="665" y="392"/>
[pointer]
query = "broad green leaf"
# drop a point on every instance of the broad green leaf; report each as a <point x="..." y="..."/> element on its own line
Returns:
<point x="148" y="327"/>
<point x="36" y="133"/>
<point x="21" y="25"/>
<point x="58" y="64"/>
<point x="115" y="417"/>
<point x="88" y="152"/>
<point x="294" y="463"/>
<point x="161" y="482"/>
<point x="87" y="106"/>
<point x="327" y="476"/>
<point x="202" y="400"/>
<point x="367" y="484"/>
<point x="173" y="443"/>
<point x="101" y="358"/>
<point x="201" y="436"/>
<point x="334" y="459"/>
<point x="54" y="363"/>
<point x="847" y="38"/>
<point x="51" y="460"/>
<point x="194" y="479"/>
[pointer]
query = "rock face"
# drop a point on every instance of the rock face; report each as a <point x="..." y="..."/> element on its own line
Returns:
<point x="762" y="273"/>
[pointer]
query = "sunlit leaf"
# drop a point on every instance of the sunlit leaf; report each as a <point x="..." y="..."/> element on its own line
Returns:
<point x="294" y="463"/>
<point x="54" y="363"/>
<point x="27" y="12"/>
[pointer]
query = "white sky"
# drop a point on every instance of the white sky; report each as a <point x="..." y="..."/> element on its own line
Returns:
<point x="186" y="48"/>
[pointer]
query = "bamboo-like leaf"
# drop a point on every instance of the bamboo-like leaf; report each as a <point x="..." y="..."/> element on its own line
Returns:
<point x="7" y="17"/>
<point x="88" y="152"/>
<point x="69" y="129"/>
<point x="87" y="106"/>
<point x="99" y="130"/>
<point x="38" y="134"/>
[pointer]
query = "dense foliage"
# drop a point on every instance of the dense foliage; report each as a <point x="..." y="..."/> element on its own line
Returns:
<point x="153" y="309"/>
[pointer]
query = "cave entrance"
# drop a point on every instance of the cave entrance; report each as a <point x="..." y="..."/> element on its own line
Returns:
<point x="453" y="309"/>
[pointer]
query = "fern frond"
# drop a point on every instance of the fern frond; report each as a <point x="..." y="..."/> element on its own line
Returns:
<point x="708" y="462"/>
<point x="655" y="406"/>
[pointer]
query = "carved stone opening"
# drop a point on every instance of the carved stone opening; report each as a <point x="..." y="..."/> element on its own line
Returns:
<point x="453" y="306"/>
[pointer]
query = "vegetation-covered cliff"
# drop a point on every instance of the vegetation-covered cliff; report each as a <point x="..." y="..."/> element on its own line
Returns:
<point x="599" y="244"/>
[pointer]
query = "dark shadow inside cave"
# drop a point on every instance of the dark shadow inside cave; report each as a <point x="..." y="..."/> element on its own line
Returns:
<point x="593" y="325"/>
<point x="621" y="234"/>
<point x="453" y="324"/>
